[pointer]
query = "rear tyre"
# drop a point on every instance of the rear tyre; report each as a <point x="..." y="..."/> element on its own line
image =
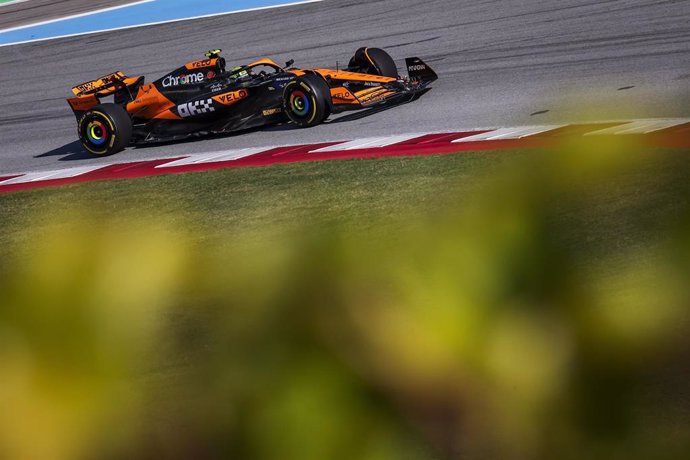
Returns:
<point x="104" y="130"/>
<point x="374" y="61"/>
<point x="307" y="100"/>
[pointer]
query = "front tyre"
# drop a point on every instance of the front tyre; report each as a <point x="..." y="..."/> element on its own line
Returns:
<point x="374" y="61"/>
<point x="104" y="130"/>
<point x="307" y="100"/>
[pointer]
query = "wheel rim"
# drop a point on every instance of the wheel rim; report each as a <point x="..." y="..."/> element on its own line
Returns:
<point x="299" y="103"/>
<point x="97" y="133"/>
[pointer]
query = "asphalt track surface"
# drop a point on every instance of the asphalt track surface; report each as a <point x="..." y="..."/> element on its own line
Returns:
<point x="500" y="64"/>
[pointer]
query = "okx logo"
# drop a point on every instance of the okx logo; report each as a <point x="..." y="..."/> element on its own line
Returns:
<point x="191" y="109"/>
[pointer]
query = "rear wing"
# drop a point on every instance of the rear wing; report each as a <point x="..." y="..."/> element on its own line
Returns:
<point x="87" y="95"/>
<point x="420" y="71"/>
<point x="105" y="85"/>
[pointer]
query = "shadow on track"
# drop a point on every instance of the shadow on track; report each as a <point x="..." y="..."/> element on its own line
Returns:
<point x="73" y="151"/>
<point x="359" y="114"/>
<point x="352" y="116"/>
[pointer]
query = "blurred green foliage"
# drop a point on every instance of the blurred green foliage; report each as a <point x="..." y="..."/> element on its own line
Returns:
<point x="543" y="315"/>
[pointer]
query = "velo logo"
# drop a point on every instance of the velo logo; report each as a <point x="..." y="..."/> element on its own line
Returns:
<point x="191" y="109"/>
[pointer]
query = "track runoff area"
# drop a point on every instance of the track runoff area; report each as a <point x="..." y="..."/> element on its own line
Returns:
<point x="671" y="133"/>
<point x="132" y="14"/>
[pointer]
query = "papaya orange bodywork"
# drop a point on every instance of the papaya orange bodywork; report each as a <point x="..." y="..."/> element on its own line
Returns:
<point x="352" y="76"/>
<point x="101" y="82"/>
<point x="264" y="61"/>
<point x="150" y="103"/>
<point x="343" y="96"/>
<point x="83" y="103"/>
<point x="202" y="64"/>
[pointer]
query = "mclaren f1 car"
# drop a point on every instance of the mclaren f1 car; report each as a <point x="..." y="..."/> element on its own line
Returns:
<point x="203" y="97"/>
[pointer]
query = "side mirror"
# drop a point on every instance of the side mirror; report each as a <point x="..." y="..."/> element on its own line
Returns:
<point x="289" y="63"/>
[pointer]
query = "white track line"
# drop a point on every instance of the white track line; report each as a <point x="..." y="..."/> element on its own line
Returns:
<point x="215" y="157"/>
<point x="74" y="16"/>
<point x="641" y="126"/>
<point x="509" y="133"/>
<point x="170" y="21"/>
<point x="51" y="175"/>
<point x="369" y="143"/>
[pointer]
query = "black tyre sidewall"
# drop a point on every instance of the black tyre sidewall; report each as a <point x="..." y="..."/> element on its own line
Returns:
<point x="384" y="63"/>
<point x="318" y="94"/>
<point x="117" y="123"/>
<point x="374" y="61"/>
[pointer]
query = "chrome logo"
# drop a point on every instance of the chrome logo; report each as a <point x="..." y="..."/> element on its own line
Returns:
<point x="183" y="79"/>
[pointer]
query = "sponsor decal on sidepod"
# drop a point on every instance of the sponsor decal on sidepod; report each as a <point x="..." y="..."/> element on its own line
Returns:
<point x="183" y="79"/>
<point x="195" y="108"/>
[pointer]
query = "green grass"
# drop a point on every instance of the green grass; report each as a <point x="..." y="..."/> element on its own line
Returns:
<point x="218" y="202"/>
<point x="372" y="195"/>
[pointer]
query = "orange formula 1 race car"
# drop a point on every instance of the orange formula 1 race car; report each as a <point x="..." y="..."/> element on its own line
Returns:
<point x="202" y="97"/>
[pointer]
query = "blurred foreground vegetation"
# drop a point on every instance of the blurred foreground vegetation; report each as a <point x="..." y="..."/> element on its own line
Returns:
<point x="508" y="305"/>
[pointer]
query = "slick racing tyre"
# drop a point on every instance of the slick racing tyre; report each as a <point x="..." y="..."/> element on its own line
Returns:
<point x="105" y="129"/>
<point x="374" y="61"/>
<point x="307" y="100"/>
